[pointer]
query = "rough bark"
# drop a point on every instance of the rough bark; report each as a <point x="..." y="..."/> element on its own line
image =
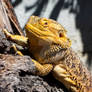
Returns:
<point x="15" y="76"/>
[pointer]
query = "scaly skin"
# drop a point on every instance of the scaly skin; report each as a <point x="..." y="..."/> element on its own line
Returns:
<point x="48" y="43"/>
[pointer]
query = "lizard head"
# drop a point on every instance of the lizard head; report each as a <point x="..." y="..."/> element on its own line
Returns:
<point x="42" y="31"/>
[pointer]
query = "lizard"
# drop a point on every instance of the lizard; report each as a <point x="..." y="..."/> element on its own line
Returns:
<point x="48" y="42"/>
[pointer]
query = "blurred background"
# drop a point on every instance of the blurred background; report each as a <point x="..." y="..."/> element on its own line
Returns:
<point x="74" y="15"/>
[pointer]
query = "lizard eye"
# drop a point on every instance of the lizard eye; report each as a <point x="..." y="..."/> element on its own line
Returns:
<point x="44" y="22"/>
<point x="61" y="35"/>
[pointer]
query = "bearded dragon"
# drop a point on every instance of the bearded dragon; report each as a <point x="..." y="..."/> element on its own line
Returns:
<point x="51" y="48"/>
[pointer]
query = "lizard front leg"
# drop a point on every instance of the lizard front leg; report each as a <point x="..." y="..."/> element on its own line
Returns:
<point x="63" y="76"/>
<point x="71" y="81"/>
<point x="21" y="40"/>
<point x="42" y="69"/>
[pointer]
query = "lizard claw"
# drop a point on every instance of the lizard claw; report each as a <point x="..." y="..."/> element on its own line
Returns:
<point x="7" y="34"/>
